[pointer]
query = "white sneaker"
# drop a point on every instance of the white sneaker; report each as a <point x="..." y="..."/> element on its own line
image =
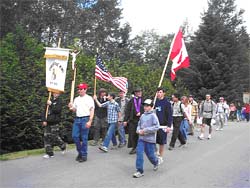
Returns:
<point x="160" y="160"/>
<point x="46" y="156"/>
<point x="217" y="129"/>
<point x="63" y="152"/>
<point x="201" y="137"/>
<point x="156" y="167"/>
<point x="209" y="136"/>
<point x="103" y="148"/>
<point x="221" y="129"/>
<point x="138" y="175"/>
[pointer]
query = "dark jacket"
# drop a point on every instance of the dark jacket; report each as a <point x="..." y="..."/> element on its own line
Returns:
<point x="54" y="112"/>
<point x="130" y="112"/>
<point x="99" y="111"/>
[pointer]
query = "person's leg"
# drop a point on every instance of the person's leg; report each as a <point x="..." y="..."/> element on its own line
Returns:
<point x="121" y="132"/>
<point x="48" y="141"/>
<point x="176" y="129"/>
<point x="150" y="152"/>
<point x="109" y="135"/>
<point x="139" y="156"/>
<point x="133" y="137"/>
<point x="97" y="129"/>
<point x="84" y="135"/>
<point x="57" y="140"/>
<point x="76" y="135"/>
<point x="104" y="127"/>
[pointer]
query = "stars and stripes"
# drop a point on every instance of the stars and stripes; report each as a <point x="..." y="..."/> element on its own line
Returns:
<point x="102" y="73"/>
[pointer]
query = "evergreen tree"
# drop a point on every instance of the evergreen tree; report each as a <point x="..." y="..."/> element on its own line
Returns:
<point x="219" y="53"/>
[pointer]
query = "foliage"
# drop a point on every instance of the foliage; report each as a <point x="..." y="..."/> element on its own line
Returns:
<point x="22" y="75"/>
<point x="219" y="53"/>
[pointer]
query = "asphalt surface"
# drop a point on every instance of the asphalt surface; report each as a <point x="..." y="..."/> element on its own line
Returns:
<point x="223" y="162"/>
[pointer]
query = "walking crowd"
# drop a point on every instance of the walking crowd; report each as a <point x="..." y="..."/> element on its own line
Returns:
<point x="147" y="122"/>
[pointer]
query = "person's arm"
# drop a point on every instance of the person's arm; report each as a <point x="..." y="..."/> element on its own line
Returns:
<point x="155" y="126"/>
<point x="91" y="116"/>
<point x="170" y="114"/>
<point x="127" y="112"/>
<point x="97" y="102"/>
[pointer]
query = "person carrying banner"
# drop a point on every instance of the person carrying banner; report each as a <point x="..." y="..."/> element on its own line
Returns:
<point x="100" y="119"/>
<point x="51" y="126"/>
<point x="114" y="113"/>
<point x="83" y="106"/>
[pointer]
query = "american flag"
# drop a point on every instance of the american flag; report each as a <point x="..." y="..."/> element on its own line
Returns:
<point x="102" y="73"/>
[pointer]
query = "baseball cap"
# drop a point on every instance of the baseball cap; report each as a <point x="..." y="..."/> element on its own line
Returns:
<point x="148" y="102"/>
<point x="82" y="86"/>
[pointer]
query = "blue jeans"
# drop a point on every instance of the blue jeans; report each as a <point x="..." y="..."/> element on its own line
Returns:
<point x="149" y="149"/>
<point x="121" y="132"/>
<point x="80" y="131"/>
<point x="184" y="128"/>
<point x="110" y="135"/>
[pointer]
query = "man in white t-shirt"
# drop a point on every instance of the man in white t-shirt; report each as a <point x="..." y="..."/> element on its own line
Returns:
<point x="83" y="106"/>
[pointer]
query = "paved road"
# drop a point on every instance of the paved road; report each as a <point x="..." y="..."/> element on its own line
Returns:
<point x="223" y="162"/>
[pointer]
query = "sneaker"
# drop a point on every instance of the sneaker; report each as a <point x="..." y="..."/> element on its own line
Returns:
<point x="103" y="148"/>
<point x="78" y="157"/>
<point x="201" y="137"/>
<point x="94" y="143"/>
<point x="138" y="175"/>
<point x="209" y="136"/>
<point x="221" y="129"/>
<point x="155" y="167"/>
<point x="121" y="145"/>
<point x="217" y="129"/>
<point x="82" y="159"/>
<point x="170" y="148"/>
<point x="46" y="156"/>
<point x="64" y="150"/>
<point x="133" y="151"/>
<point x="160" y="160"/>
<point x="114" y="147"/>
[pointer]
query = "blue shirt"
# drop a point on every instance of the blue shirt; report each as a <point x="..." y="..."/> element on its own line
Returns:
<point x="113" y="109"/>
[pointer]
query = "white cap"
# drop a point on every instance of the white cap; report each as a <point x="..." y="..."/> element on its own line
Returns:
<point x="148" y="102"/>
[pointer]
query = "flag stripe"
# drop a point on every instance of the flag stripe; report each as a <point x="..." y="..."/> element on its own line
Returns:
<point x="102" y="74"/>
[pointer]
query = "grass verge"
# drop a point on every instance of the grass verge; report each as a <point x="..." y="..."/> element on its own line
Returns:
<point x="27" y="153"/>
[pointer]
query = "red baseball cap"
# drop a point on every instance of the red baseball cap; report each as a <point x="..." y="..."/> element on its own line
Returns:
<point x="82" y="86"/>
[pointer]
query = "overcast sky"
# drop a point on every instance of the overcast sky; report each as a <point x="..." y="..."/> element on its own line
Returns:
<point x="165" y="16"/>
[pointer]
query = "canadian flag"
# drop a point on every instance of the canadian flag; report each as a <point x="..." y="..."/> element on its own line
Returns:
<point x="178" y="55"/>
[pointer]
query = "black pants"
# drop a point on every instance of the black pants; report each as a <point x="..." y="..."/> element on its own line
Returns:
<point x="132" y="135"/>
<point x="176" y="131"/>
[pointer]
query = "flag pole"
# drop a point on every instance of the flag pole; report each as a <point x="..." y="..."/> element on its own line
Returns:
<point x="97" y="51"/>
<point x="166" y="64"/>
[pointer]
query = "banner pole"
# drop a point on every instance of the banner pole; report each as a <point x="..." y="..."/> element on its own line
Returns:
<point x="47" y="108"/>
<point x="73" y="86"/>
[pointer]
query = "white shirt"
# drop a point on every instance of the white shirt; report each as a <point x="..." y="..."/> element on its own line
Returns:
<point x="188" y="111"/>
<point x="83" y="105"/>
